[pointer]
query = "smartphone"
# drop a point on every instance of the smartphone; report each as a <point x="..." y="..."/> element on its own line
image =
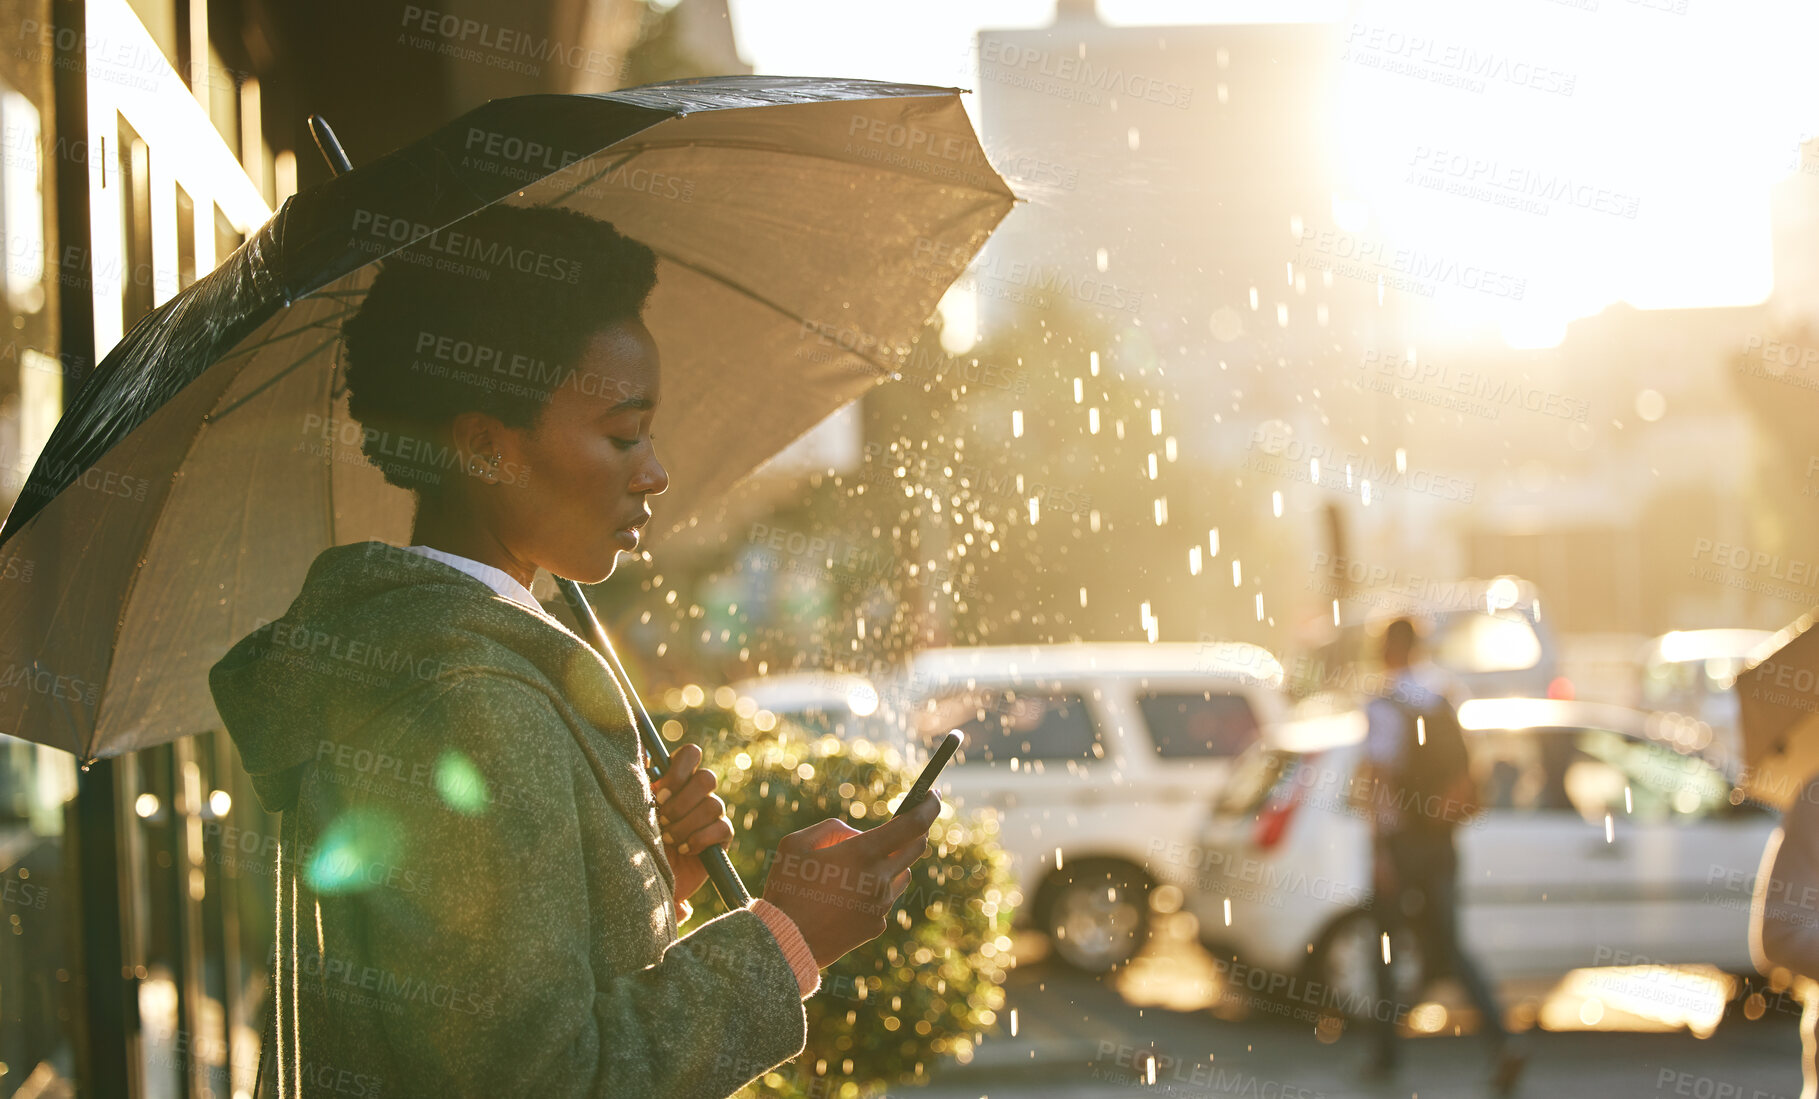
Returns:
<point x="926" y="780"/>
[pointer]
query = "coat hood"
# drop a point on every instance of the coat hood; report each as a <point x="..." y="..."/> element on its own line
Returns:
<point x="373" y="626"/>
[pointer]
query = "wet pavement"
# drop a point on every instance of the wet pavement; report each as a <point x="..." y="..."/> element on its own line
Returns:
<point x="1164" y="1024"/>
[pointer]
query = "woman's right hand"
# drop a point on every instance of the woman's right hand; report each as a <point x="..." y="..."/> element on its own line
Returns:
<point x="838" y="883"/>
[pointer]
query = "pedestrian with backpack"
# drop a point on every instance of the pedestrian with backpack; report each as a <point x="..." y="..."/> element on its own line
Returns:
<point x="1418" y="784"/>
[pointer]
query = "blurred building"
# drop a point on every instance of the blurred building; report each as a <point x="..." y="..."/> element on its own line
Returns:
<point x="1190" y="171"/>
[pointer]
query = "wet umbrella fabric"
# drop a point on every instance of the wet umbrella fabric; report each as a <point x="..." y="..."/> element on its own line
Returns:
<point x="1778" y="708"/>
<point x="805" y="229"/>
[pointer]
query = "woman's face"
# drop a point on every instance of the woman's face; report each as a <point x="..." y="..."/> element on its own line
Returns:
<point x="584" y="470"/>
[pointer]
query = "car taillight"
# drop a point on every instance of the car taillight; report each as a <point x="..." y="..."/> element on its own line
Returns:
<point x="1272" y="822"/>
<point x="1273" y="819"/>
<point x="1561" y="688"/>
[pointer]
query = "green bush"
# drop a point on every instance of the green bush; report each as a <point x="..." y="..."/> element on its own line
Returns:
<point x="929" y="986"/>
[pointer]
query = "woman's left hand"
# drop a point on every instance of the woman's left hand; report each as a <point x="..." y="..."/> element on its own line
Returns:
<point x="690" y="815"/>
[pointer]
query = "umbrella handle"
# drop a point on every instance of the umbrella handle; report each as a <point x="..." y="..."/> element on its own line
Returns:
<point x="329" y="145"/>
<point x="719" y="868"/>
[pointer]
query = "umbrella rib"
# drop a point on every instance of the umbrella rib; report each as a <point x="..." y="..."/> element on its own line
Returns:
<point x="785" y="311"/>
<point x="806" y="155"/>
<point x="152" y="534"/>
<point x="783" y="151"/>
<point x="282" y="374"/>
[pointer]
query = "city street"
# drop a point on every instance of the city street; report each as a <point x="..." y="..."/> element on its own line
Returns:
<point x="1078" y="1036"/>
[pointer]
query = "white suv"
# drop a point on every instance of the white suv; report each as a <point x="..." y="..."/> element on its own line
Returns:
<point x="1095" y="756"/>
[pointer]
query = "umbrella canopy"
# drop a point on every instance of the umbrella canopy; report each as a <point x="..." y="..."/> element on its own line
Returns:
<point x="804" y="228"/>
<point x="1778" y="701"/>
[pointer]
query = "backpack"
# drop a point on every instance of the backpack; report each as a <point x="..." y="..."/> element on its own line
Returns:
<point x="1436" y="791"/>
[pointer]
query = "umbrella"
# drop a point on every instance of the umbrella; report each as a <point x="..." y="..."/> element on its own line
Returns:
<point x="1778" y="703"/>
<point x="805" y="229"/>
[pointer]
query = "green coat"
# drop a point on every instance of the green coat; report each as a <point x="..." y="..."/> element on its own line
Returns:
<point x="473" y="896"/>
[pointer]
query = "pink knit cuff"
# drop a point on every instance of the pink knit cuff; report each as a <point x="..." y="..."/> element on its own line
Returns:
<point x="795" y="947"/>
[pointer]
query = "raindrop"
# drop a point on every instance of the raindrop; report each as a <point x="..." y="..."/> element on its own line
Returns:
<point x="1364" y="492"/>
<point x="1610" y="829"/>
<point x="1335" y="612"/>
<point x="1131" y="137"/>
<point x="1161" y="510"/>
<point x="1083" y="597"/>
<point x="1104" y="260"/>
<point x="1401" y="460"/>
<point x="1092" y="421"/>
<point x="1168" y="448"/>
<point x="1420" y="730"/>
<point x="1212" y="542"/>
<point x="1079" y="392"/>
<point x="1259" y="606"/>
<point x="1017" y="423"/>
<point x="1386" y="947"/>
<point x="1228" y="912"/>
<point x="1152" y="460"/>
<point x="1629" y="806"/>
<point x="1650" y="405"/>
<point x="1313" y="470"/>
<point x="1237" y="573"/>
<point x="1033" y="511"/>
<point x="1193" y="561"/>
<point x="1155" y="421"/>
<point x="1092" y="360"/>
<point x="1058" y="850"/>
<point x="1276" y="503"/>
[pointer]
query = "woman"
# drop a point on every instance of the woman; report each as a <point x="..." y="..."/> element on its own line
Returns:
<point x="479" y="887"/>
<point x="1784" y="918"/>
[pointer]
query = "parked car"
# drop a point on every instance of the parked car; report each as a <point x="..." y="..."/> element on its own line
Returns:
<point x="1692" y="672"/>
<point x="1602" y="843"/>
<point x="1095" y="757"/>
<point x="837" y="703"/>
